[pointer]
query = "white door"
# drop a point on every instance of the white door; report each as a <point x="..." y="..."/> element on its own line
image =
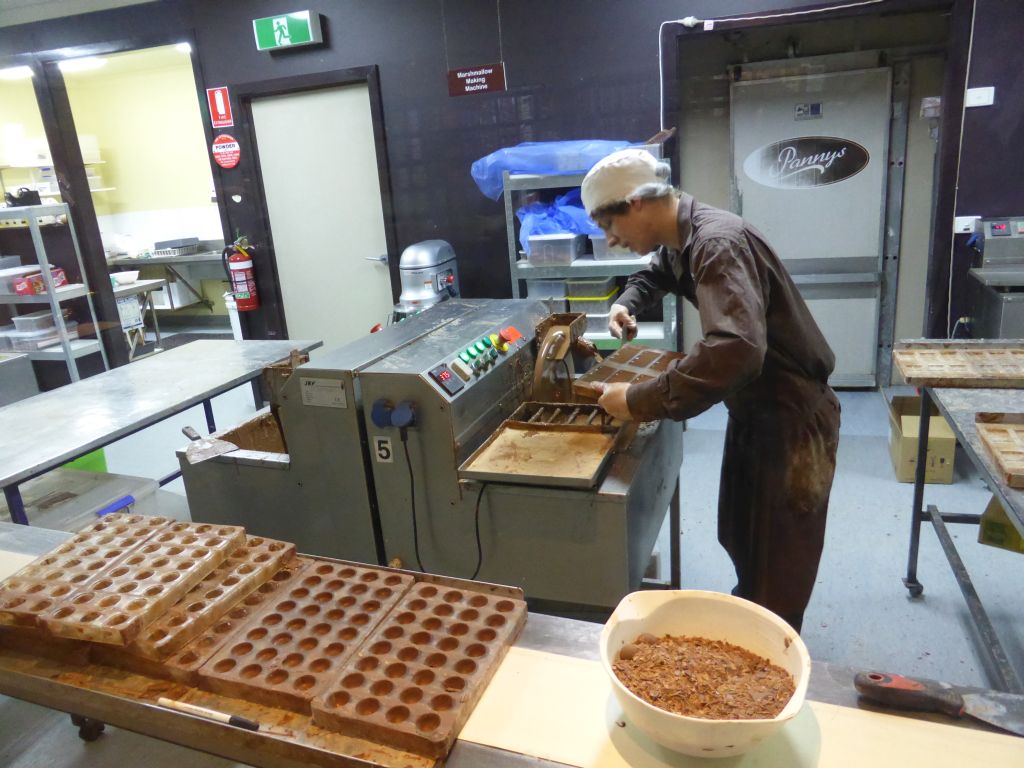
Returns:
<point x="810" y="158"/>
<point x="319" y="166"/>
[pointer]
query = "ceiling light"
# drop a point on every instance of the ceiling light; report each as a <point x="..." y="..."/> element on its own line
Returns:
<point x="82" y="65"/>
<point x="15" y="73"/>
<point x="183" y="47"/>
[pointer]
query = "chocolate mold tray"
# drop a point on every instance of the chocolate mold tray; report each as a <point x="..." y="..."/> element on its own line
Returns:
<point x="93" y="549"/>
<point x="415" y="681"/>
<point x="245" y="569"/>
<point x="295" y="646"/>
<point x="114" y="605"/>
<point x="183" y="666"/>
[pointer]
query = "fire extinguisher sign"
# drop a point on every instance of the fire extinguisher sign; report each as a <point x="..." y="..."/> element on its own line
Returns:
<point x="220" y="107"/>
<point x="226" y="152"/>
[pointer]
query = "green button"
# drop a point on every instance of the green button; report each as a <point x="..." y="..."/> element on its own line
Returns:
<point x="480" y="346"/>
<point x="472" y="352"/>
<point x="465" y="356"/>
<point x="486" y="341"/>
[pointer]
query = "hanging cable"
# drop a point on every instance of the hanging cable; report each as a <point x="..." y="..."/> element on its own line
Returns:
<point x="412" y="498"/>
<point x="476" y="528"/>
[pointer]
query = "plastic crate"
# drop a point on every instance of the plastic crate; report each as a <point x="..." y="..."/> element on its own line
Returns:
<point x="593" y="305"/>
<point x="9" y="275"/>
<point x="599" y="245"/>
<point x="551" y="292"/>
<point x="36" y="321"/>
<point x="558" y="249"/>
<point x="30" y="341"/>
<point x="589" y="286"/>
<point x="598" y="323"/>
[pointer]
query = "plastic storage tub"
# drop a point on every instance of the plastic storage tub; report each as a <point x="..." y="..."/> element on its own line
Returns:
<point x="30" y="341"/>
<point x="589" y="286"/>
<point x="5" y="336"/>
<point x="599" y="244"/>
<point x="36" y="321"/>
<point x="558" y="249"/>
<point x="593" y="305"/>
<point x="551" y="292"/>
<point x="9" y="275"/>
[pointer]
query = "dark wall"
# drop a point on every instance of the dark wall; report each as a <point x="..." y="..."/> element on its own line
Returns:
<point x="990" y="179"/>
<point x="575" y="69"/>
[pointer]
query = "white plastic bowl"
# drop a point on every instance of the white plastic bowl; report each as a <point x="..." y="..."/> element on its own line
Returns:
<point x="717" y="617"/>
<point x="125" y="278"/>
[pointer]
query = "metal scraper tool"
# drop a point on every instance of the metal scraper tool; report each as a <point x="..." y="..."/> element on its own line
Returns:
<point x="1003" y="710"/>
<point x="203" y="448"/>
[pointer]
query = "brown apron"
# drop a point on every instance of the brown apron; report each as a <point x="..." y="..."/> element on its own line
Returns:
<point x="776" y="477"/>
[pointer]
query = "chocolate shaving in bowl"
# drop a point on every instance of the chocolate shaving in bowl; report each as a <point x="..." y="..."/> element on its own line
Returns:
<point x="698" y="677"/>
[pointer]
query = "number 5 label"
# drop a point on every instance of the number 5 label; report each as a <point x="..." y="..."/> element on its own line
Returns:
<point x="382" y="450"/>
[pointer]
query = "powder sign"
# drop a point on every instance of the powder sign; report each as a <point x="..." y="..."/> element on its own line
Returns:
<point x="804" y="162"/>
<point x="480" y="79"/>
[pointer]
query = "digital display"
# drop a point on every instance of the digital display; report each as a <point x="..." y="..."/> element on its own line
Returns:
<point x="442" y="374"/>
<point x="1000" y="228"/>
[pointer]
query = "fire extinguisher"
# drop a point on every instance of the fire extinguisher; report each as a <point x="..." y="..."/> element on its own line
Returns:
<point x="238" y="264"/>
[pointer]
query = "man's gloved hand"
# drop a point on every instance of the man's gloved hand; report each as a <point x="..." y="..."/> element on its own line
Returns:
<point x="613" y="399"/>
<point x="621" y="324"/>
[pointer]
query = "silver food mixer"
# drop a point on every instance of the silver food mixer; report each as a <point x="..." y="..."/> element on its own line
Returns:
<point x="429" y="275"/>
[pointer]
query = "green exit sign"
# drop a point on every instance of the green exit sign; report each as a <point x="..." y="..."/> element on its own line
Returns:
<point x="287" y="30"/>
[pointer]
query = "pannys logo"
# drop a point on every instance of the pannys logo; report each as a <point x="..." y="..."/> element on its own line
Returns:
<point x="808" y="161"/>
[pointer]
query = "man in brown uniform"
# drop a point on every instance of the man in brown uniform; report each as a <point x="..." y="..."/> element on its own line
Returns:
<point x="762" y="354"/>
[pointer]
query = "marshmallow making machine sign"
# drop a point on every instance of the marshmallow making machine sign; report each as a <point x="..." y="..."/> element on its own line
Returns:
<point x="441" y="442"/>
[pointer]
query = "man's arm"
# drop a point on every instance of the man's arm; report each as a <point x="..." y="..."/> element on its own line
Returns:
<point x="646" y="287"/>
<point x="732" y="302"/>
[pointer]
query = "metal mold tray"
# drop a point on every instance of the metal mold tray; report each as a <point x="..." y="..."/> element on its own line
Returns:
<point x="565" y="445"/>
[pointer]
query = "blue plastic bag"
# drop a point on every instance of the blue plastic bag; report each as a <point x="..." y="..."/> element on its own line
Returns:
<point x="564" y="215"/>
<point x="540" y="157"/>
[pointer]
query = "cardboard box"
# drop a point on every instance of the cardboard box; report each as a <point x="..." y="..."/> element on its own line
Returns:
<point x="904" y="421"/>
<point x="996" y="530"/>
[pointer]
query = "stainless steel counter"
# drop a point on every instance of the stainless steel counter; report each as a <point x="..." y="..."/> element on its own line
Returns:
<point x="48" y="430"/>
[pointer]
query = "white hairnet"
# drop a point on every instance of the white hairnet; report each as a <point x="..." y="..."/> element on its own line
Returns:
<point x="622" y="176"/>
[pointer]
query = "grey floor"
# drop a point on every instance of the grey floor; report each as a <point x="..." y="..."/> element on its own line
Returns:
<point x="860" y="615"/>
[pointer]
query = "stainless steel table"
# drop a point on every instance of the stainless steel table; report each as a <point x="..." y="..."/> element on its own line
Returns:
<point x="136" y="335"/>
<point x="959" y="406"/>
<point x="168" y="262"/>
<point x="566" y="637"/>
<point x="51" y="429"/>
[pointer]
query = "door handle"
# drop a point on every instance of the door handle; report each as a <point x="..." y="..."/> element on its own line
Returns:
<point x="383" y="258"/>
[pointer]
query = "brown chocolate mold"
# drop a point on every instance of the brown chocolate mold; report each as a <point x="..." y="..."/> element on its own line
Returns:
<point x="117" y="602"/>
<point x="295" y="645"/>
<point x="630" y="364"/>
<point x="22" y="601"/>
<point x="414" y="682"/>
<point x="93" y="549"/>
<point x="245" y="569"/>
<point x="183" y="666"/>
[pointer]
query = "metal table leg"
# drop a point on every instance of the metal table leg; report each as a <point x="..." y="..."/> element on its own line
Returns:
<point x="211" y="425"/>
<point x="257" y="393"/>
<point x="15" y="504"/>
<point x="918" y="514"/>
<point x="676" y="574"/>
<point x="1000" y="668"/>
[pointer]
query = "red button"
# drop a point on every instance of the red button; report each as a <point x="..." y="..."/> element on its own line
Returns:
<point x="450" y="280"/>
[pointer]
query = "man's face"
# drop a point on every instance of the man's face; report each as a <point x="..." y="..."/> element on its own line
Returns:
<point x="628" y="230"/>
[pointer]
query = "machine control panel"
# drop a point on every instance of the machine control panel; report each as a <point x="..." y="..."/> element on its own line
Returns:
<point x="448" y="381"/>
<point x="475" y="360"/>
